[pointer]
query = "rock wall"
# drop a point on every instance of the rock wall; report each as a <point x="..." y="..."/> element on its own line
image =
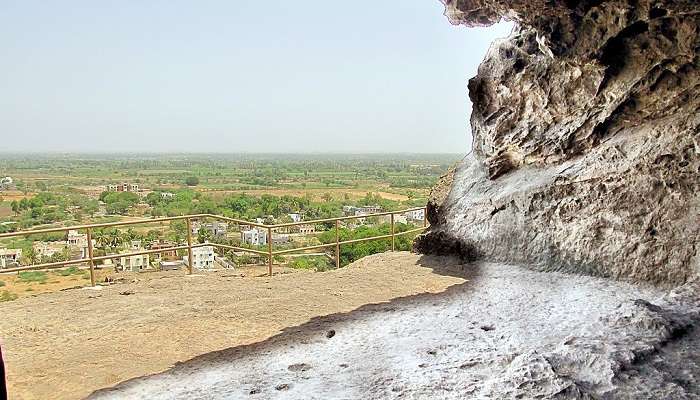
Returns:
<point x="586" y="156"/>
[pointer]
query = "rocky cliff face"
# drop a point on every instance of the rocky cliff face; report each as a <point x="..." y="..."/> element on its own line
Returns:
<point x="586" y="124"/>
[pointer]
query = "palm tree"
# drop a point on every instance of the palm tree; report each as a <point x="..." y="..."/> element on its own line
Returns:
<point x="114" y="239"/>
<point x="101" y="238"/>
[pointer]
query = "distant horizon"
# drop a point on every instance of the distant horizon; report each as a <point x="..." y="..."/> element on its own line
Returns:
<point x="237" y="77"/>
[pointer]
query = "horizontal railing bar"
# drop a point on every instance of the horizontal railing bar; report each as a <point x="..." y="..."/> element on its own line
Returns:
<point x="182" y="217"/>
<point x="318" y="221"/>
<point x="411" y="231"/>
<point x="318" y="246"/>
<point x="238" y="221"/>
<point x="59" y="264"/>
<point x="366" y="239"/>
<point x="144" y="252"/>
<point x="103" y="225"/>
<point x="53" y="265"/>
<point x="225" y="246"/>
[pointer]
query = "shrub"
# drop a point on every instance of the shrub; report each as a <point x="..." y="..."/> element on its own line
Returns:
<point x="2" y="283"/>
<point x="32" y="276"/>
<point x="318" y="264"/>
<point x="69" y="271"/>
<point x="7" y="296"/>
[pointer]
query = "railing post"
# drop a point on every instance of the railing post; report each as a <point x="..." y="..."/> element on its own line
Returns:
<point x="393" y="238"/>
<point x="269" y="251"/>
<point x="425" y="217"/>
<point x="91" y="263"/>
<point x="337" y="244"/>
<point x="189" y="246"/>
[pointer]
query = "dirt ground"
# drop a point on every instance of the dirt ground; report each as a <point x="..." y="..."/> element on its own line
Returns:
<point x="11" y="195"/>
<point x="67" y="344"/>
<point x="54" y="282"/>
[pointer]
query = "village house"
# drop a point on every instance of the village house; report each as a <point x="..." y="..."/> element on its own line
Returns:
<point x="78" y="243"/>
<point x="124" y="187"/>
<point x="202" y="257"/>
<point x="171" y="265"/>
<point x="398" y="219"/>
<point x="255" y="236"/>
<point x="166" y="195"/>
<point x="295" y="217"/>
<point x="136" y="263"/>
<point x="280" y="238"/>
<point x="305" y="229"/>
<point x="7" y="183"/>
<point x="360" y="211"/>
<point x="366" y="210"/>
<point x="215" y="228"/>
<point x="48" y="249"/>
<point x="415" y="215"/>
<point x="349" y="210"/>
<point x="10" y="257"/>
<point x="166" y="255"/>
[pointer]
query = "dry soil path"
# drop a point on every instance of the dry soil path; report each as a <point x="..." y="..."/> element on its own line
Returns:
<point x="65" y="345"/>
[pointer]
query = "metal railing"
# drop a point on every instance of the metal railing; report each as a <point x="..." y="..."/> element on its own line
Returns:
<point x="91" y="259"/>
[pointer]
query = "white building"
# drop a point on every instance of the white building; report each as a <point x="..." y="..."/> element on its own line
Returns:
<point x="48" y="249"/>
<point x="366" y="210"/>
<point x="255" y="236"/>
<point x="134" y="263"/>
<point x="123" y="187"/>
<point x="78" y="242"/>
<point x="215" y="228"/>
<point x="398" y="219"/>
<point x="10" y="257"/>
<point x="279" y="238"/>
<point x="296" y="217"/>
<point x="6" y="183"/>
<point x="166" y="195"/>
<point x="304" y="229"/>
<point x="415" y="215"/>
<point x="202" y="257"/>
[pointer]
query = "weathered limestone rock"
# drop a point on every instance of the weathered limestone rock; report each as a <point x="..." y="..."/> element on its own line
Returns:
<point x="586" y="124"/>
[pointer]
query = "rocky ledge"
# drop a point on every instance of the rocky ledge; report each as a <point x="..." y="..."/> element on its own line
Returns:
<point x="586" y="153"/>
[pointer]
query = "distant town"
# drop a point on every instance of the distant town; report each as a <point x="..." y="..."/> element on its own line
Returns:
<point x="34" y="203"/>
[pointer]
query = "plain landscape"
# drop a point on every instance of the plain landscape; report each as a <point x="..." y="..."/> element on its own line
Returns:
<point x="556" y="257"/>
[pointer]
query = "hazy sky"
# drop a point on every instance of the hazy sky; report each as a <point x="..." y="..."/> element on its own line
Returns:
<point x="235" y="76"/>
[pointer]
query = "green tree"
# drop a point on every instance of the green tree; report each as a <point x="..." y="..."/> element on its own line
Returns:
<point x="192" y="181"/>
<point x="204" y="235"/>
<point x="29" y="257"/>
<point x="178" y="230"/>
<point x="91" y="207"/>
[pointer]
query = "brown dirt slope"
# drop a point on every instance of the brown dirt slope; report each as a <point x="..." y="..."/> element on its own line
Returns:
<point x="65" y="345"/>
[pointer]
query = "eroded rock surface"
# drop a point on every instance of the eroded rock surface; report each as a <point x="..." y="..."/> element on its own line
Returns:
<point x="586" y="129"/>
<point x="505" y="333"/>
